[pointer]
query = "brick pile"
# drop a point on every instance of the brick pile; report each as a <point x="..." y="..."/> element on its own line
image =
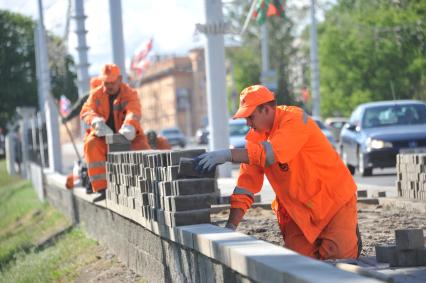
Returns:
<point x="411" y="176"/>
<point x="160" y="186"/>
<point x="409" y="249"/>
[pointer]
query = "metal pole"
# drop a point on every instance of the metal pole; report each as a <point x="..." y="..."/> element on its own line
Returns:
<point x="54" y="146"/>
<point x="316" y="103"/>
<point x="216" y="89"/>
<point x="83" y="65"/>
<point x="117" y="36"/>
<point x="82" y="48"/>
<point x="264" y="47"/>
<point x="38" y="71"/>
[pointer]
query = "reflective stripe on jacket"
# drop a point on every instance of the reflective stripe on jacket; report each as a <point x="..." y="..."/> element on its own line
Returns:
<point x="306" y="173"/>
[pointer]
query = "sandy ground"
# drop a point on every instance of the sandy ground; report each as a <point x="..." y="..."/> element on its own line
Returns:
<point x="377" y="224"/>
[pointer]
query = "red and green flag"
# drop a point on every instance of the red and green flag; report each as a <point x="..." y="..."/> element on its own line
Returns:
<point x="268" y="8"/>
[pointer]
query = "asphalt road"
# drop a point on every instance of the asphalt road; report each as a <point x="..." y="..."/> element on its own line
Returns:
<point x="381" y="177"/>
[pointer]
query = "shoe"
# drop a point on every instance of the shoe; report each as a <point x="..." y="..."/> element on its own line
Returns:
<point x="101" y="196"/>
<point x="89" y="189"/>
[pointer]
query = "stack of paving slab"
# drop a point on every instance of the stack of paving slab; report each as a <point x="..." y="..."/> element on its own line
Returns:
<point x="409" y="250"/>
<point x="411" y="176"/>
<point x="161" y="186"/>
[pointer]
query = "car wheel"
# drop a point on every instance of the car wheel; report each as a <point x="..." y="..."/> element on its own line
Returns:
<point x="182" y="145"/>
<point x="363" y="171"/>
<point x="345" y="161"/>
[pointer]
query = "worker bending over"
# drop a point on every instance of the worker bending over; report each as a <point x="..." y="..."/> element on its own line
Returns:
<point x="156" y="141"/>
<point x="315" y="200"/>
<point x="112" y="108"/>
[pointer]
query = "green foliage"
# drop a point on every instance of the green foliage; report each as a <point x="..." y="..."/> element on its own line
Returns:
<point x="18" y="71"/>
<point x="246" y="58"/>
<point x="371" y="51"/>
<point x="17" y="61"/>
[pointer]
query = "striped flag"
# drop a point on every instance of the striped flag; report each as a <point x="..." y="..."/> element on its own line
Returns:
<point x="64" y="105"/>
<point x="139" y="60"/>
<point x="268" y="8"/>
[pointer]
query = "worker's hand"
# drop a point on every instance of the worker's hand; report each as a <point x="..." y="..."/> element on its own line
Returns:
<point x="128" y="131"/>
<point x="231" y="226"/>
<point x="208" y="161"/>
<point x="101" y="129"/>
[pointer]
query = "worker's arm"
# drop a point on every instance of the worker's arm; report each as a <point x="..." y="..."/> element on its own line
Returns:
<point x="249" y="183"/>
<point x="235" y="217"/>
<point x="132" y="109"/>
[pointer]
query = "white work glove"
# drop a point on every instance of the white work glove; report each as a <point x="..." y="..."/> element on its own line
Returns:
<point x="128" y="131"/>
<point x="208" y="161"/>
<point x="101" y="129"/>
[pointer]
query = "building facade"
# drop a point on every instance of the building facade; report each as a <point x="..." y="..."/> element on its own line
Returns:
<point x="172" y="92"/>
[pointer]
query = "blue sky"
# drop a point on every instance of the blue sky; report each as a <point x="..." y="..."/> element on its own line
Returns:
<point x="170" y="22"/>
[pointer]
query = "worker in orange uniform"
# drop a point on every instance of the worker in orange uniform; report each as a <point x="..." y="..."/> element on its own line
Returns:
<point x="157" y="142"/>
<point x="112" y="108"/>
<point x="315" y="200"/>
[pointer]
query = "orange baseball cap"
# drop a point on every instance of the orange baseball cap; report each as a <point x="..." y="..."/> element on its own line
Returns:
<point x="250" y="98"/>
<point x="109" y="73"/>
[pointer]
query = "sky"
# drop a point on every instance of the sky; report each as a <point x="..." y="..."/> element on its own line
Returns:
<point x="171" y="24"/>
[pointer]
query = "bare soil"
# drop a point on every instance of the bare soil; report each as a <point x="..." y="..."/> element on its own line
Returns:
<point x="377" y="224"/>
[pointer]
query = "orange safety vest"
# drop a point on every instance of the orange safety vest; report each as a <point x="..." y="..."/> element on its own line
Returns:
<point x="306" y="173"/>
<point x="126" y="108"/>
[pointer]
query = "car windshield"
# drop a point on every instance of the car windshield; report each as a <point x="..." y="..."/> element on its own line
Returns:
<point x="320" y="124"/>
<point x="170" y="132"/>
<point x="238" y="129"/>
<point x="394" y="115"/>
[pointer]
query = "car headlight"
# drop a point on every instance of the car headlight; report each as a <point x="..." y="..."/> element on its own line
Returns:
<point x="231" y="146"/>
<point x="378" y="144"/>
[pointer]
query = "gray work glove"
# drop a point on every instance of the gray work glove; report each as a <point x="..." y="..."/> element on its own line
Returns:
<point x="208" y="161"/>
<point x="128" y="131"/>
<point x="101" y="128"/>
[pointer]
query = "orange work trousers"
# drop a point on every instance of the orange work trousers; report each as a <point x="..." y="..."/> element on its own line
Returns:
<point x="95" y="152"/>
<point x="338" y="240"/>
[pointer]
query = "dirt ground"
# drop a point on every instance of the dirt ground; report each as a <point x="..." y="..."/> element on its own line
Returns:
<point x="106" y="269"/>
<point x="377" y="224"/>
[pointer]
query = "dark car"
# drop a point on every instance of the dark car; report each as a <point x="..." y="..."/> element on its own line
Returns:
<point x="378" y="131"/>
<point x="174" y="136"/>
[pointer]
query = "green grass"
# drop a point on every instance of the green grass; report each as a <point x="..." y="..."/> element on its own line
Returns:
<point x="60" y="262"/>
<point x="24" y="220"/>
<point x="25" y="223"/>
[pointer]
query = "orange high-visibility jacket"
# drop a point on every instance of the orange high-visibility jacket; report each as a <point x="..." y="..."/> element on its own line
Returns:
<point x="306" y="173"/>
<point x="126" y="107"/>
<point x="162" y="143"/>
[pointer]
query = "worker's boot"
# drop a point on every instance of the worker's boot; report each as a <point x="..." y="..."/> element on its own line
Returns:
<point x="101" y="196"/>
<point x="89" y="188"/>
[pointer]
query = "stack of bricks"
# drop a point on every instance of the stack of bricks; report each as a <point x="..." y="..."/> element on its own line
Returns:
<point x="160" y="186"/>
<point x="409" y="250"/>
<point x="411" y="176"/>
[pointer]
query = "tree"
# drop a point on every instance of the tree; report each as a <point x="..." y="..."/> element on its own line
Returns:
<point x="18" y="71"/>
<point x="246" y="59"/>
<point x="371" y="50"/>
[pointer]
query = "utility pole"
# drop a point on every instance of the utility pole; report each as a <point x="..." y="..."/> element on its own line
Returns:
<point x="82" y="48"/>
<point x="215" y="74"/>
<point x="264" y="47"/>
<point x="316" y="102"/>
<point x="50" y="109"/>
<point x="116" y="22"/>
